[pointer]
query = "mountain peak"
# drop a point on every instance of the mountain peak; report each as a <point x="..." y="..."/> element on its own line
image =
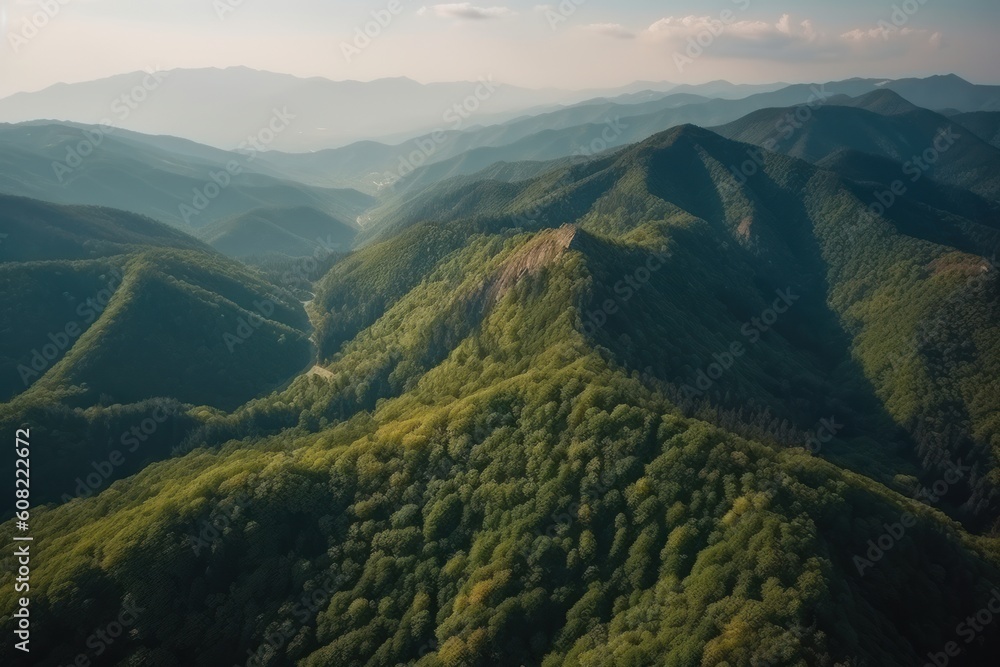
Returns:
<point x="882" y="101"/>
<point x="948" y="77"/>
<point x="681" y="135"/>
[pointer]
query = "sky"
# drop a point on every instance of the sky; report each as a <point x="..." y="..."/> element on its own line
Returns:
<point x="567" y="44"/>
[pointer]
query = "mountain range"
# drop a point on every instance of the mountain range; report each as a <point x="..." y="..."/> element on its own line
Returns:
<point x="713" y="394"/>
<point x="593" y="127"/>
<point x="167" y="180"/>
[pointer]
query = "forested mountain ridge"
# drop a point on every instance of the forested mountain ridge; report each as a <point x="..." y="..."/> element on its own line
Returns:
<point x="985" y="124"/>
<point x="109" y="275"/>
<point x="292" y="232"/>
<point x="39" y="231"/>
<point x="684" y="167"/>
<point x="924" y="143"/>
<point x="170" y="180"/>
<point x="108" y="316"/>
<point x="558" y="133"/>
<point x="573" y="420"/>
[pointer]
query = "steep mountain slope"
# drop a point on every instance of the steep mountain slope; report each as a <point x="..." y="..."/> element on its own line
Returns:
<point x="876" y="175"/>
<point x="883" y="101"/>
<point x="37" y="231"/>
<point x="294" y="232"/>
<point x="188" y="189"/>
<point x="943" y="217"/>
<point x="984" y="124"/>
<point x="112" y="307"/>
<point x="925" y="144"/>
<point x="577" y="420"/>
<point x="113" y="324"/>
<point x="428" y="184"/>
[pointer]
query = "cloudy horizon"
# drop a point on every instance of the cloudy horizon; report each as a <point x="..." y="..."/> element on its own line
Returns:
<point x="570" y="45"/>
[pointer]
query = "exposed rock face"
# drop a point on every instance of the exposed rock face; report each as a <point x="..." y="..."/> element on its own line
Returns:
<point x="530" y="260"/>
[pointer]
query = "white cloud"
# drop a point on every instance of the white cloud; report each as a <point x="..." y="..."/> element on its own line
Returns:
<point x="466" y="10"/>
<point x="616" y="30"/>
<point x="782" y="32"/>
<point x="882" y="35"/>
<point x="787" y="38"/>
<point x="680" y="25"/>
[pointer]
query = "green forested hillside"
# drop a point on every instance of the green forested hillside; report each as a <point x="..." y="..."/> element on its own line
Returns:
<point x="36" y="231"/>
<point x="814" y="244"/>
<point x="117" y="305"/>
<point x="292" y="232"/>
<point x="109" y="318"/>
<point x="631" y="412"/>
<point x="925" y="144"/>
<point x="985" y="125"/>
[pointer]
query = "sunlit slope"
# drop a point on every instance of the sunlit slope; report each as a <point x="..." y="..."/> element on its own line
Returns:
<point x="512" y="457"/>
